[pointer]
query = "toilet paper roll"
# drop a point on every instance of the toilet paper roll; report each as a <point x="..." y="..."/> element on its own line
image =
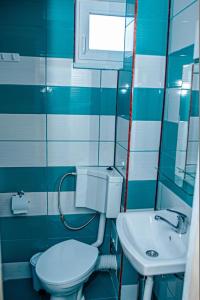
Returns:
<point x="19" y="205"/>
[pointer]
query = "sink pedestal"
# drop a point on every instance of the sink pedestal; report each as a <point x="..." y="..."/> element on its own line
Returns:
<point x="148" y="288"/>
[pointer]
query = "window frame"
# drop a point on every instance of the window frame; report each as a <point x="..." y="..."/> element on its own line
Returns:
<point x="85" y="57"/>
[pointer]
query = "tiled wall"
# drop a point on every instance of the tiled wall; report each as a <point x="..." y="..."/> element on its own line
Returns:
<point x="52" y="118"/>
<point x="147" y="101"/>
<point x="140" y="105"/>
<point x="184" y="16"/>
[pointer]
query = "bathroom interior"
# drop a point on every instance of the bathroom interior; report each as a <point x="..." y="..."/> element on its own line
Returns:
<point x="99" y="141"/>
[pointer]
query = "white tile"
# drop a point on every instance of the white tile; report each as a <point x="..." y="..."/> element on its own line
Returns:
<point x="192" y="153"/>
<point x="195" y="85"/>
<point x="72" y="153"/>
<point x="60" y="72"/>
<point x="107" y="128"/>
<point x="168" y="199"/>
<point x="16" y="270"/>
<point x="149" y="71"/>
<point x="183" y="28"/>
<point x="106" y="153"/>
<point x="182" y="136"/>
<point x="196" y="43"/>
<point x="143" y="165"/>
<point x="109" y="79"/>
<point x="145" y="135"/>
<point x="122" y="132"/>
<point x="129" y="292"/>
<point x="121" y="159"/>
<point x="179" y="5"/>
<point x="172" y="105"/>
<point x="37" y="204"/>
<point x="73" y="127"/>
<point x="194" y="129"/>
<point x="22" y="154"/>
<point x="28" y="71"/>
<point x="22" y="127"/>
<point x="67" y="204"/>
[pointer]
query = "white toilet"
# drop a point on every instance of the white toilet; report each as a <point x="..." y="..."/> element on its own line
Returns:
<point x="64" y="268"/>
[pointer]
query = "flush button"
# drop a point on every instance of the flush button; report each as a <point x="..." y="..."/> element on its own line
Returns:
<point x="110" y="168"/>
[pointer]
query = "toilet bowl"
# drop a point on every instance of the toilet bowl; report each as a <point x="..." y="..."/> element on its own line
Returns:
<point x="65" y="267"/>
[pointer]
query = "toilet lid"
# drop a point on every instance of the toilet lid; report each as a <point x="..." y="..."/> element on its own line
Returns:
<point x="66" y="262"/>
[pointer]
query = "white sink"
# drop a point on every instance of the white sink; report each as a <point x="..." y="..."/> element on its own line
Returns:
<point x="139" y="232"/>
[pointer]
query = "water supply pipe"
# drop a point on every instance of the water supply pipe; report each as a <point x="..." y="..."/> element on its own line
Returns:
<point x="148" y="288"/>
<point x="101" y="231"/>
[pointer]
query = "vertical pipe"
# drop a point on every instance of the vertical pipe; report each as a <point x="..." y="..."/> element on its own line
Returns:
<point x="148" y="288"/>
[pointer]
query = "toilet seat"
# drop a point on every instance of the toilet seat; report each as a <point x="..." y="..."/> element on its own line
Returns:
<point x="66" y="263"/>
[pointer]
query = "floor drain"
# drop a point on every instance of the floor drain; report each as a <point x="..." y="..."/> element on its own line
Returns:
<point x="152" y="253"/>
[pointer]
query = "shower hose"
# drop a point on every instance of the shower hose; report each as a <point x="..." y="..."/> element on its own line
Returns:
<point x="62" y="217"/>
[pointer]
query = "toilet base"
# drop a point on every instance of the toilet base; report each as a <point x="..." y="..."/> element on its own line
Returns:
<point x="78" y="295"/>
<point x="69" y="297"/>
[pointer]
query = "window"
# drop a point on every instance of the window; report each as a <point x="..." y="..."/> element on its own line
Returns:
<point x="100" y="34"/>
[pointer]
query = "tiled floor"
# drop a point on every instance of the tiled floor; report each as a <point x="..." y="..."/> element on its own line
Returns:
<point x="99" y="287"/>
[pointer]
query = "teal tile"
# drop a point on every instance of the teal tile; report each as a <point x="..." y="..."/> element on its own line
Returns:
<point x="74" y="100"/>
<point x="62" y="13"/>
<point x="45" y="179"/>
<point x="152" y="25"/>
<point x="169" y="137"/>
<point x="185" y="192"/>
<point x="99" y="286"/>
<point x="82" y="101"/>
<point x="57" y="230"/>
<point x="151" y="37"/>
<point x="148" y="104"/>
<point x="60" y="28"/>
<point x="22" y="99"/>
<point x="195" y="104"/>
<point x="21" y="289"/>
<point x="148" y="9"/>
<point x="26" y="179"/>
<point x="185" y="101"/>
<point x="124" y="94"/>
<point x="22" y="228"/>
<point x="168" y="148"/>
<point x="176" y="61"/>
<point x="21" y="250"/>
<point x="60" y="41"/>
<point x="22" y="13"/>
<point x="141" y="194"/>
<point x="54" y="174"/>
<point x="108" y="101"/>
<point x="129" y="275"/>
<point x="27" y="41"/>
<point x="162" y="284"/>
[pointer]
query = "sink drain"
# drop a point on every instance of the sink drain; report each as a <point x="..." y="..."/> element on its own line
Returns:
<point x="152" y="253"/>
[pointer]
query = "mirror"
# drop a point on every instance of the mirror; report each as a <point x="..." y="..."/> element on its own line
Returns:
<point x="180" y="140"/>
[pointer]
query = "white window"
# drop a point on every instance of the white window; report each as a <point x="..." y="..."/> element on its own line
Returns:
<point x="100" y="34"/>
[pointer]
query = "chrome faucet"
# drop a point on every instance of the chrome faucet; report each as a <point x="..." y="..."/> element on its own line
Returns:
<point x="182" y="224"/>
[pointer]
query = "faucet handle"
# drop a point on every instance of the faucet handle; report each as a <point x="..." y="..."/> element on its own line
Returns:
<point x="180" y="214"/>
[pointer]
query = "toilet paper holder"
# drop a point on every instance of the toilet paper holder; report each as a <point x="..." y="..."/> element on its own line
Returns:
<point x="19" y="204"/>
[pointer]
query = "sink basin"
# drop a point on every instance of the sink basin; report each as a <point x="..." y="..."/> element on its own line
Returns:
<point x="139" y="232"/>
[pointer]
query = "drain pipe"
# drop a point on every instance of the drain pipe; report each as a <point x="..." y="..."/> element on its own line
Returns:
<point x="105" y="262"/>
<point x="101" y="231"/>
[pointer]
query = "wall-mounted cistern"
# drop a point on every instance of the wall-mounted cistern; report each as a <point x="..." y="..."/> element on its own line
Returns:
<point x="182" y="223"/>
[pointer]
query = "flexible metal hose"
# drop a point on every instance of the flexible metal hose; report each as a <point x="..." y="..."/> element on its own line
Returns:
<point x="62" y="217"/>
